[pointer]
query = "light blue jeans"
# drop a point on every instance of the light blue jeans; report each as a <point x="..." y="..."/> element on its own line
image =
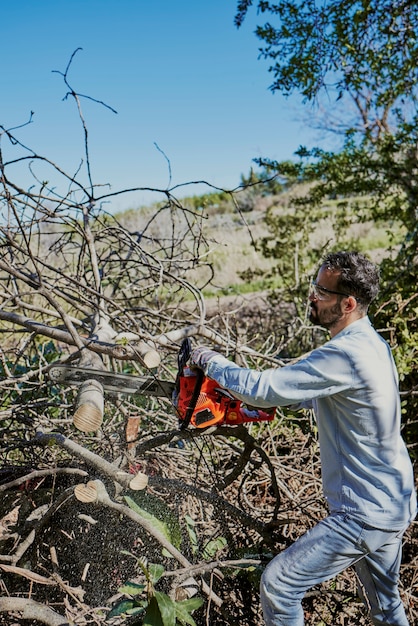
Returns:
<point x="334" y="544"/>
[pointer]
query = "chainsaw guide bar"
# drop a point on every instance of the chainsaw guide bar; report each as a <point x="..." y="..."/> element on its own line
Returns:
<point x="112" y="382"/>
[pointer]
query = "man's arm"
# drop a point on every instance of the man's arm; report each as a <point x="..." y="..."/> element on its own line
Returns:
<point x="324" y="372"/>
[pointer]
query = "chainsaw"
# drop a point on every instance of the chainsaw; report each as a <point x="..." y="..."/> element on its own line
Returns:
<point x="197" y="400"/>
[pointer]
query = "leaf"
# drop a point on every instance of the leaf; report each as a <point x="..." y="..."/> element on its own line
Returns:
<point x="132" y="589"/>
<point x="158" y="524"/>
<point x="155" y="571"/>
<point x="190" y="527"/>
<point x="213" y="547"/>
<point x="153" y="615"/>
<point x="167" y="608"/>
<point x="185" y="608"/>
<point x="156" y="511"/>
<point x="122" y="607"/>
<point x="137" y="610"/>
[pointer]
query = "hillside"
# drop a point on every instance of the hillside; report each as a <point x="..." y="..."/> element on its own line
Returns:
<point x="234" y="229"/>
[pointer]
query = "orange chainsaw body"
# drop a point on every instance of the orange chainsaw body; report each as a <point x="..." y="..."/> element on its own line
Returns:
<point x="213" y="405"/>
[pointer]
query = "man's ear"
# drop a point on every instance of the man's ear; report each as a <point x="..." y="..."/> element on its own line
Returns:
<point x="350" y="304"/>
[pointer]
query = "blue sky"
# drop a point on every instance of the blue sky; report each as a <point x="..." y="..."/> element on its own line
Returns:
<point x="180" y="75"/>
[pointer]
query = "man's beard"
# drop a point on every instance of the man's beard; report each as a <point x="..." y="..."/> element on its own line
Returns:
<point x="326" y="318"/>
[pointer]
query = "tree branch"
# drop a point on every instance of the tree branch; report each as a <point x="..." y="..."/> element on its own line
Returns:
<point x="32" y="610"/>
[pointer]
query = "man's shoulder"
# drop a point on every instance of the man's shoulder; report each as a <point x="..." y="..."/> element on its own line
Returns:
<point x="359" y="329"/>
<point x="360" y="339"/>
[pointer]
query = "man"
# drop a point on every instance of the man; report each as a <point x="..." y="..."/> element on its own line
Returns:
<point x="352" y="384"/>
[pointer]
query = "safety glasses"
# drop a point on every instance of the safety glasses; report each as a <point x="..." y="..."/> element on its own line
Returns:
<point x="322" y="293"/>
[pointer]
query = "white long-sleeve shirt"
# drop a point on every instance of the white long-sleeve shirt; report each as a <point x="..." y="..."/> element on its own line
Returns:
<point x="352" y="384"/>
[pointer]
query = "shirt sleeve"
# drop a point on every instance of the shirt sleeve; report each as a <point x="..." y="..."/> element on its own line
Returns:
<point x="325" y="372"/>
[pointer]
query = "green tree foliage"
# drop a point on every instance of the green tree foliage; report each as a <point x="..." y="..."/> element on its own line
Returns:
<point x="361" y="59"/>
<point x="364" y="51"/>
<point x="269" y="184"/>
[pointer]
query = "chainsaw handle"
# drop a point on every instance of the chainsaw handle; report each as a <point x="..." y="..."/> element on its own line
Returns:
<point x="182" y="358"/>
<point x="193" y="400"/>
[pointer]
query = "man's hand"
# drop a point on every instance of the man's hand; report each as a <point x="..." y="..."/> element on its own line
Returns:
<point x="201" y="356"/>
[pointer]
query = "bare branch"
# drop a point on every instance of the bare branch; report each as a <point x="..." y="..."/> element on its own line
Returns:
<point x="29" y="609"/>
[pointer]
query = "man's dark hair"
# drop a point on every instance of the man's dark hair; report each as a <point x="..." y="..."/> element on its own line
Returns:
<point x="357" y="275"/>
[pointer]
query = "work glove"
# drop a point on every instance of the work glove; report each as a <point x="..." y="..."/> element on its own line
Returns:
<point x="201" y="356"/>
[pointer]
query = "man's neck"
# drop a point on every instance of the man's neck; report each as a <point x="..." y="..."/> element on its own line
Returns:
<point x="344" y="322"/>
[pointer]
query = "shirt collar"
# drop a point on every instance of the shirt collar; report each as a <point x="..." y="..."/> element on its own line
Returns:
<point x="360" y="324"/>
